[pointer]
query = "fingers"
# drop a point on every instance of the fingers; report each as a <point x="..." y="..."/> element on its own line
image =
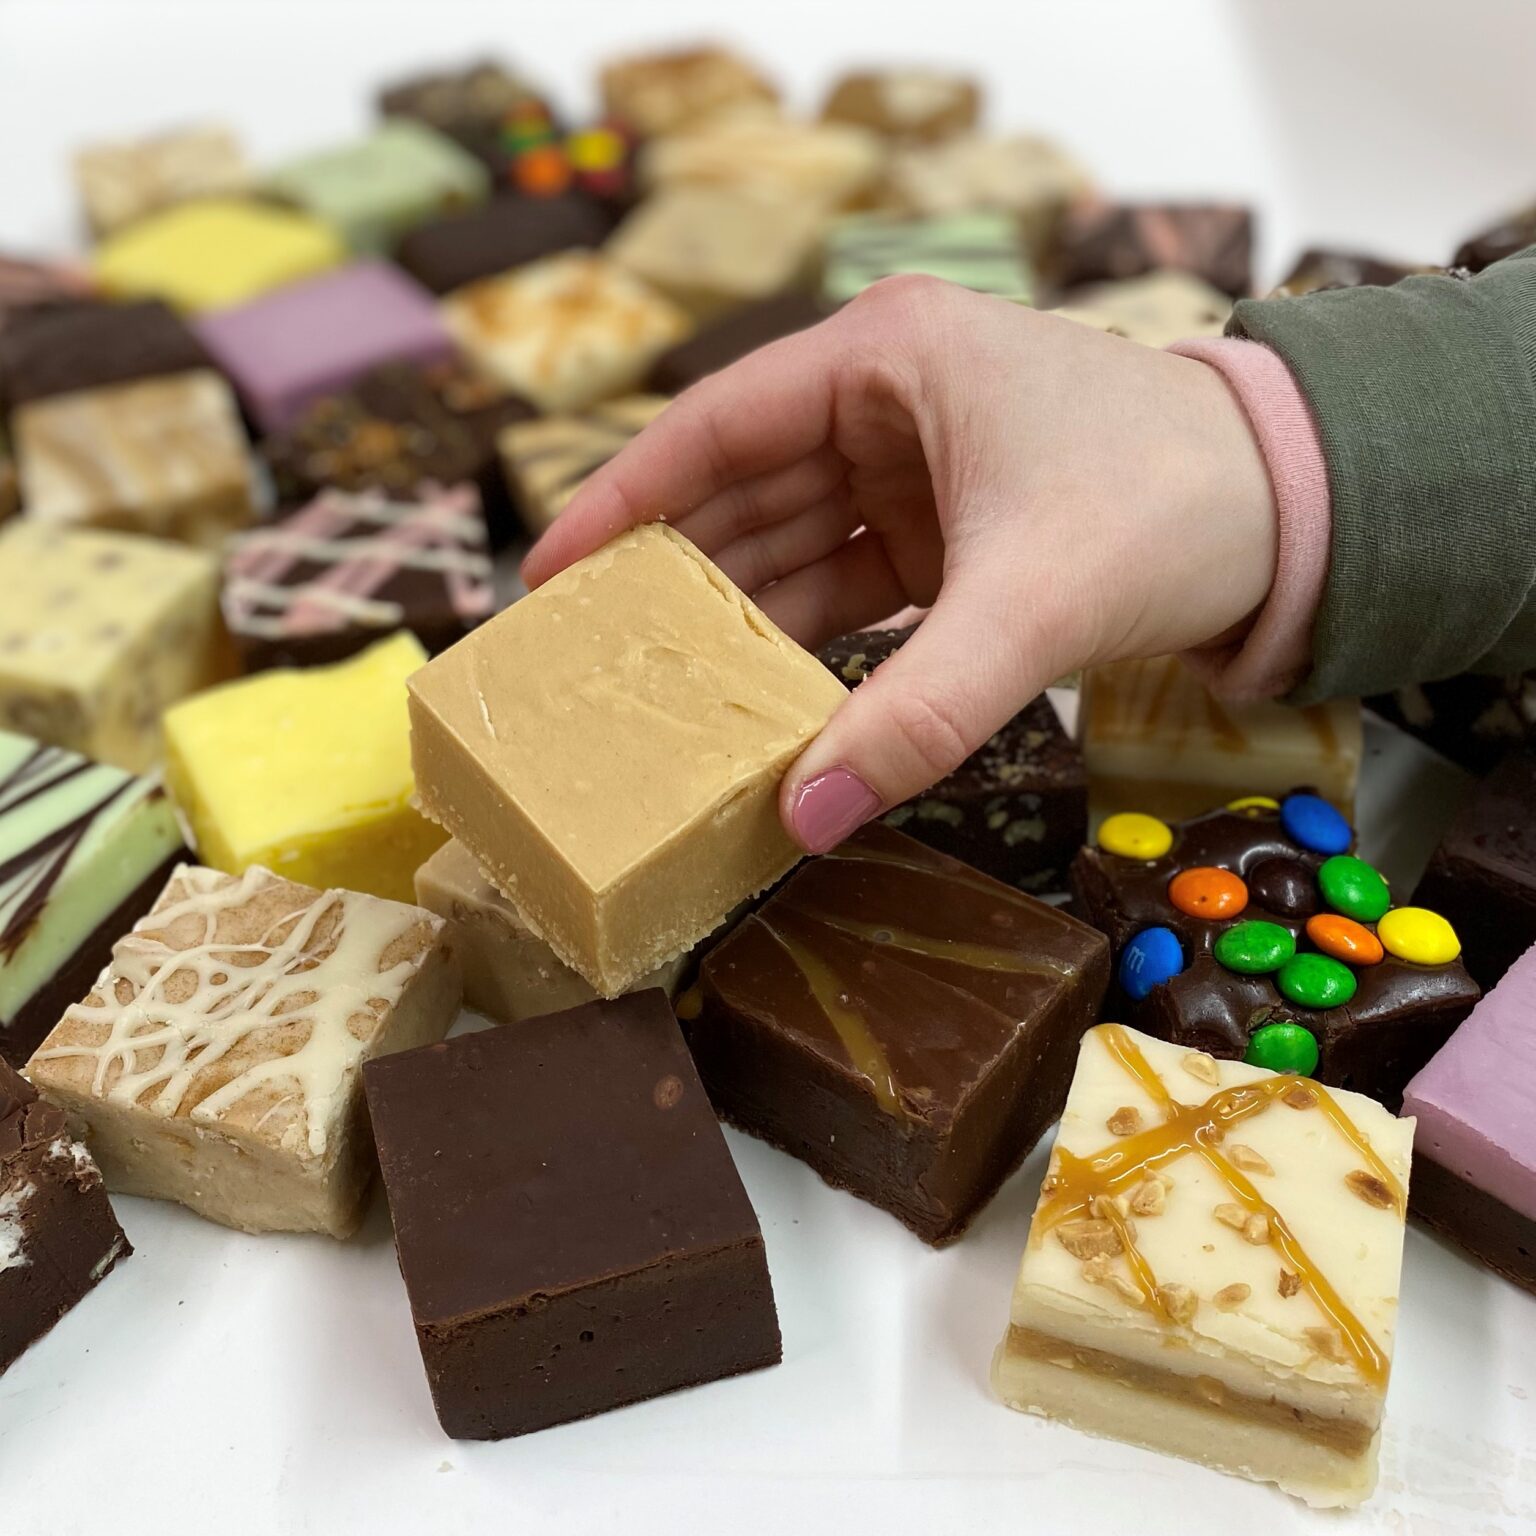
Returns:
<point x="770" y="554"/>
<point x="851" y="589"/>
<point x="762" y="499"/>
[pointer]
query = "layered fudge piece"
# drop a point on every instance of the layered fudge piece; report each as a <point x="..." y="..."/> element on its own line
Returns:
<point x="658" y="93"/>
<point x="1213" y="1267"/>
<point x="909" y="105"/>
<point x="547" y="460"/>
<point x="1474" y="719"/>
<point x="1482" y="877"/>
<point x="164" y="456"/>
<point x="1016" y="809"/>
<point x="1155" y="739"/>
<point x="980" y="250"/>
<point x="84" y="850"/>
<point x="377" y="188"/>
<point x="1498" y="241"/>
<point x="58" y="1236"/>
<point x="285" y="350"/>
<point x="731" y="337"/>
<point x="306" y="772"/>
<point x="472" y="106"/>
<point x="352" y="566"/>
<point x="572" y="1233"/>
<point x="1109" y="242"/>
<point x="1155" y="310"/>
<point x="510" y="973"/>
<point x="215" y="252"/>
<point x="713" y="249"/>
<point x="567" y="331"/>
<point x="217" y="1061"/>
<point x="620" y="783"/>
<point x="100" y="633"/>
<point x="1475" y="1178"/>
<point x="1320" y="267"/>
<point x="120" y="183"/>
<point x="1255" y="932"/>
<point x="900" y="1022"/>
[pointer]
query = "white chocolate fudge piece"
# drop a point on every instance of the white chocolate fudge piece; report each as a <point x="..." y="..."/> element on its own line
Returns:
<point x="661" y="92"/>
<point x="1156" y="310"/>
<point x="909" y="105"/>
<point x="1154" y="739"/>
<point x="1213" y="1267"/>
<point x="120" y="183"/>
<point x="218" y="1061"/>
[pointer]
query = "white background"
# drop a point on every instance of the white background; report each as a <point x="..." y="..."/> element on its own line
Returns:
<point x="233" y="1385"/>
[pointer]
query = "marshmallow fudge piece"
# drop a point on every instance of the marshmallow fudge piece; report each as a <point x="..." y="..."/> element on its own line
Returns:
<point x="351" y="567"/>
<point x="727" y="339"/>
<point x="547" y="460"/>
<point x="981" y="251"/>
<point x="217" y="1061"/>
<point x="567" y="331"/>
<point x="620" y="783"/>
<point x="1154" y="739"/>
<point x="164" y="456"/>
<point x="1110" y="242"/>
<point x="658" y="93"/>
<point x="374" y="190"/>
<point x="908" y="105"/>
<point x="472" y="106"/>
<point x="84" y="851"/>
<point x="1475" y="1175"/>
<point x="286" y="349"/>
<point x="307" y="772"/>
<point x="122" y="182"/>
<point x="572" y="1233"/>
<point x="215" y="252"/>
<point x="58" y="1236"/>
<point x="1213" y="1267"/>
<point x="99" y="634"/>
<point x="714" y="248"/>
<point x="1155" y="310"/>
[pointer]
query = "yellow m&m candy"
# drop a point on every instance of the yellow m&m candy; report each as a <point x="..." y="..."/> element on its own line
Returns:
<point x="1134" y="836"/>
<point x="1248" y="804"/>
<point x="1419" y="936"/>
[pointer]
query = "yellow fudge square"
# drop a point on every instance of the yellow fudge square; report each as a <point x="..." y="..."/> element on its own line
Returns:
<point x="215" y="253"/>
<point x="307" y="773"/>
<point x="609" y="750"/>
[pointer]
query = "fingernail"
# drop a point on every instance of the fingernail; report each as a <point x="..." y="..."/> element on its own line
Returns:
<point x="830" y="806"/>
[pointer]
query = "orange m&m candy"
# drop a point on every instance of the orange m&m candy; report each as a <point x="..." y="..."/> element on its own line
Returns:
<point x="1208" y="892"/>
<point x="1344" y="939"/>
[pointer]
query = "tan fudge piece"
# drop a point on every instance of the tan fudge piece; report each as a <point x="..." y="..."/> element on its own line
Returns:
<point x="119" y="183"/>
<point x="610" y="748"/>
<point x="1156" y="310"/>
<point x="1213" y="1267"/>
<point x="218" y="1062"/>
<point x="910" y="105"/>
<point x="661" y="92"/>
<point x="545" y="461"/>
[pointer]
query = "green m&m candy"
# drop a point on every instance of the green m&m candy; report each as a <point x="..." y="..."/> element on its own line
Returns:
<point x="1349" y="885"/>
<point x="1283" y="1048"/>
<point x="1254" y="948"/>
<point x="1316" y="981"/>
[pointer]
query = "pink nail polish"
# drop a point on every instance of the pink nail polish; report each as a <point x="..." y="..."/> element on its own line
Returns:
<point x="830" y="806"/>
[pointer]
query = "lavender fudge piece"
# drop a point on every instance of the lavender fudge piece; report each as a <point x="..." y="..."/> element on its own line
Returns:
<point x="1474" y="1173"/>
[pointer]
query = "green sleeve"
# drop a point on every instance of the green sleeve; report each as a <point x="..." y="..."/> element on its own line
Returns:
<point x="1425" y="400"/>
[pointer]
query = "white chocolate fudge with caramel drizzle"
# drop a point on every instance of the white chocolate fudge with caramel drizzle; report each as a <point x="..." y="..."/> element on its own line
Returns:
<point x="218" y="1060"/>
<point x="1213" y="1267"/>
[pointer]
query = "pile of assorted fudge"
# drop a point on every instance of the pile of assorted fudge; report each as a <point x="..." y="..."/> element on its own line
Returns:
<point x="285" y="782"/>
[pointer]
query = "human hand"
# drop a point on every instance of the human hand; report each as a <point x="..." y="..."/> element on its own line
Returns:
<point x="1055" y="496"/>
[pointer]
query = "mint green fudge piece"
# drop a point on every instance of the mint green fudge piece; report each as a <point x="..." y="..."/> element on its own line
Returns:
<point x="982" y="250"/>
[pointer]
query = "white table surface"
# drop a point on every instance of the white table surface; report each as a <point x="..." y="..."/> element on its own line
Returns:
<point x="233" y="1384"/>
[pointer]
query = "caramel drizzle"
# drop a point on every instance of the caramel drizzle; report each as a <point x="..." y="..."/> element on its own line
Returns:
<point x="980" y="957"/>
<point x="1087" y="1185"/>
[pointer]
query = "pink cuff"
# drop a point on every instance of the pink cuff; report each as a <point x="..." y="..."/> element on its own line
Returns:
<point x="1276" y="653"/>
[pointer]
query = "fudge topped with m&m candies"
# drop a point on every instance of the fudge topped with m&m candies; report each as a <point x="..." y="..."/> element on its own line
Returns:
<point x="1256" y="932"/>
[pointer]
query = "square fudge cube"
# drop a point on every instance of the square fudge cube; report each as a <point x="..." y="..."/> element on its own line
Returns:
<point x="58" y="1236"/>
<point x="84" y="849"/>
<point x="1213" y="1267"/>
<point x="353" y="566"/>
<point x="472" y="106"/>
<point x="620" y="783"/>
<point x="657" y="93"/>
<point x="980" y="250"/>
<point x="286" y="349"/>
<point x="217" y="1061"/>
<point x="900" y="1022"/>
<point x="163" y="456"/>
<point x="567" y="331"/>
<point x="307" y="772"/>
<point x="99" y="634"/>
<point x="572" y="1233"/>
<point x="376" y="189"/>
<point x="731" y="337"/>
<point x="215" y="252"/>
<point x="917" y="106"/>
<point x="1108" y="242"/>
<point x="1155" y="310"/>
<point x="121" y="182"/>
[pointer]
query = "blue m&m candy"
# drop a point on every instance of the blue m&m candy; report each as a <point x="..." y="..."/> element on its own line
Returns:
<point x="1149" y="960"/>
<point x="1312" y="822"/>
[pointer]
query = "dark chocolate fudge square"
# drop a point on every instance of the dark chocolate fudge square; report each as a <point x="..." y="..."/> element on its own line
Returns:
<point x="1107" y="242"/>
<point x="732" y="337"/>
<point x="1483" y="875"/>
<point x="58" y="1236"/>
<point x="900" y="1022"/>
<point x="474" y="106"/>
<point x="1321" y="268"/>
<point x="1474" y="719"/>
<point x="571" y="1229"/>
<point x="1017" y="809"/>
<point x="1254" y="933"/>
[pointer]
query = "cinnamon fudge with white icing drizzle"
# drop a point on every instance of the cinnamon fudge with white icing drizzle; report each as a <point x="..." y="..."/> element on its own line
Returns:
<point x="218" y="1060"/>
<point x="1213" y="1267"/>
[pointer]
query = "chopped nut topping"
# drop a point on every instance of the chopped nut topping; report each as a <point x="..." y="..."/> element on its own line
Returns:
<point x="1179" y="1302"/>
<point x="1087" y="1239"/>
<point x="1299" y="1097"/>
<point x="1370" y="1189"/>
<point x="1207" y="1247"/>
<point x="1230" y="1214"/>
<point x="1326" y="1342"/>
<point x="1289" y="1283"/>
<point x="1125" y="1121"/>
<point x="1256" y="1229"/>
<point x="1230" y="1296"/>
<point x="1107" y="1209"/>
<point x="1126" y="1290"/>
<point x="1097" y="1269"/>
<point x="1148" y="1198"/>
<point x="1198" y="1064"/>
<point x="1247" y="1159"/>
